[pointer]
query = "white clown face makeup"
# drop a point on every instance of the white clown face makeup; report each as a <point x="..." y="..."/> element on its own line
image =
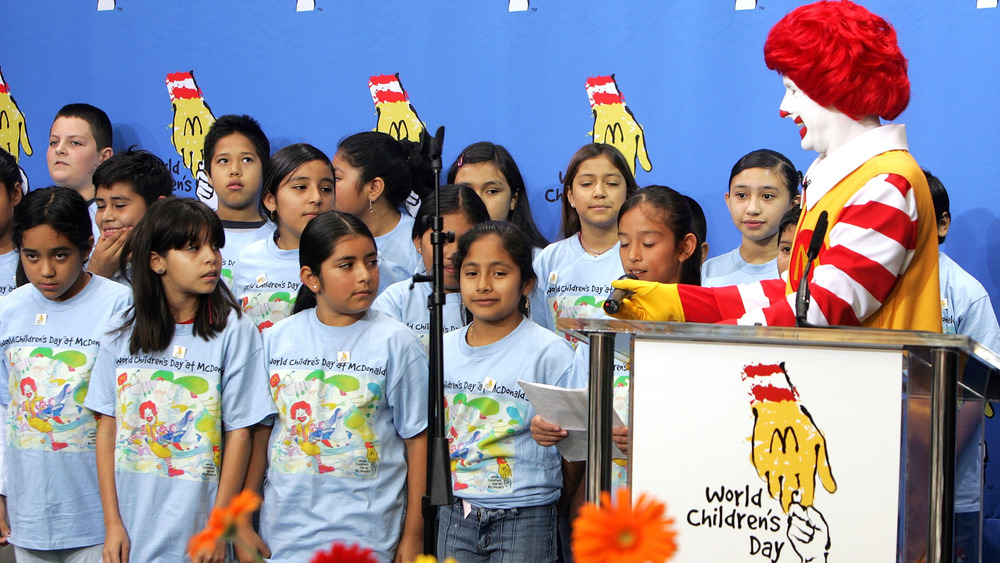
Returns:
<point x="822" y="129"/>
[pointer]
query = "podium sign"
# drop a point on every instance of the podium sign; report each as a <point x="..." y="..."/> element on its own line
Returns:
<point x="735" y="436"/>
<point x="788" y="445"/>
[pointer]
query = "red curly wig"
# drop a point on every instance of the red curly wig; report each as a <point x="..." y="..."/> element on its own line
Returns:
<point x="841" y="55"/>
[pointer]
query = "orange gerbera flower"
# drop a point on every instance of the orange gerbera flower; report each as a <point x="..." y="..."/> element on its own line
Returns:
<point x="222" y="522"/>
<point x="340" y="553"/>
<point x="622" y="533"/>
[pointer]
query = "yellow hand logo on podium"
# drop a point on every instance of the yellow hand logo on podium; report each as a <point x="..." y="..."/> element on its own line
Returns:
<point x="396" y="115"/>
<point x="614" y="123"/>
<point x="13" y="132"/>
<point x="192" y="119"/>
<point x="788" y="450"/>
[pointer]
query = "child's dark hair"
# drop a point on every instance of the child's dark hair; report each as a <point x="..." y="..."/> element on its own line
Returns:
<point x="672" y="210"/>
<point x="399" y="163"/>
<point x="318" y="241"/>
<point x="63" y="209"/>
<point x="770" y="160"/>
<point x="142" y="171"/>
<point x="939" y="195"/>
<point x="698" y="223"/>
<point x="100" y="125"/>
<point x="283" y="163"/>
<point x="244" y="125"/>
<point x="10" y="172"/>
<point x="453" y="199"/>
<point x="570" y="217"/>
<point x="485" y="151"/>
<point x="789" y="219"/>
<point x="512" y="241"/>
<point x="171" y="224"/>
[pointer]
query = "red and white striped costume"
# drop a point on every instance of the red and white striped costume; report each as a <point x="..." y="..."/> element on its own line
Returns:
<point x="878" y="263"/>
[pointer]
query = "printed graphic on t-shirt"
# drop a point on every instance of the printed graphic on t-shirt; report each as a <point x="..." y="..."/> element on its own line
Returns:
<point x="481" y="440"/>
<point x="47" y="388"/>
<point x="619" y="467"/>
<point x="268" y="307"/>
<point x="168" y="424"/>
<point x="227" y="272"/>
<point x="327" y="419"/>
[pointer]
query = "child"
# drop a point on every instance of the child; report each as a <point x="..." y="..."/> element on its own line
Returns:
<point x="298" y="186"/>
<point x="236" y="153"/>
<point x="492" y="173"/>
<point x="375" y="174"/>
<point x="178" y="385"/>
<point x="126" y="184"/>
<point x="506" y="486"/>
<point x="460" y="209"/>
<point x="965" y="309"/>
<point x="762" y="186"/>
<point x="49" y="331"/>
<point x="348" y="449"/>
<point x="786" y="238"/>
<point x="574" y="273"/>
<point x="10" y="196"/>
<point x="79" y="140"/>
<point x="656" y="243"/>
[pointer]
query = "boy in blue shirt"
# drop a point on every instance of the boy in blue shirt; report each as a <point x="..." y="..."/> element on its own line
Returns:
<point x="125" y="185"/>
<point x="79" y="140"/>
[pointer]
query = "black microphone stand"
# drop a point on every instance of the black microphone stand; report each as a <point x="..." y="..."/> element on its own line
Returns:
<point x="438" y="466"/>
<point x="803" y="296"/>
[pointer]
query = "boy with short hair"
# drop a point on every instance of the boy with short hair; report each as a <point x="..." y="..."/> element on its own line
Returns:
<point x="965" y="309"/>
<point x="236" y="157"/>
<point x="79" y="140"/>
<point x="126" y="184"/>
<point x="786" y="238"/>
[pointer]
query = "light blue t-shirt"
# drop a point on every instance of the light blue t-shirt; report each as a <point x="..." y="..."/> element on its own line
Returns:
<point x="347" y="397"/>
<point x="390" y="273"/>
<point x="965" y="305"/>
<point x="8" y="272"/>
<point x="396" y="246"/>
<point x="49" y="347"/>
<point x="239" y="235"/>
<point x="572" y="283"/>
<point x="172" y="408"/>
<point x="732" y="269"/>
<point x="266" y="281"/>
<point x="495" y="461"/>
<point x="410" y="308"/>
<point x="966" y="309"/>
<point x="620" y="393"/>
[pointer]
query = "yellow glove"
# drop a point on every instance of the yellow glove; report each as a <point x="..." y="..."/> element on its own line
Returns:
<point x="13" y="132"/>
<point x="614" y="123"/>
<point x="396" y="116"/>
<point x="649" y="301"/>
<point x="192" y="119"/>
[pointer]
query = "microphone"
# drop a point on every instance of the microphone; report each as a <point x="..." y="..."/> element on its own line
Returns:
<point x="802" y="296"/>
<point x="613" y="303"/>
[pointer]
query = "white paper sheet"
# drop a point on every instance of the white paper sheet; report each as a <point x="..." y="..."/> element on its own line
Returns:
<point x="567" y="408"/>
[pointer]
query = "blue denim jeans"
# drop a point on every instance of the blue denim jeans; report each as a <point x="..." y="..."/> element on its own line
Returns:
<point x="494" y="535"/>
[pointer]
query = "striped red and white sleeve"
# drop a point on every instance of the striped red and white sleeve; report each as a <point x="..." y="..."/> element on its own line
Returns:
<point x="870" y="246"/>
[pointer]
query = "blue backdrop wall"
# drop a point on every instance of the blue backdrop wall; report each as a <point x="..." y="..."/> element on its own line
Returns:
<point x="691" y="73"/>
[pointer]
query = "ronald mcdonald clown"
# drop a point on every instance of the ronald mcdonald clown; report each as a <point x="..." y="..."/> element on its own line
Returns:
<point x="842" y="70"/>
